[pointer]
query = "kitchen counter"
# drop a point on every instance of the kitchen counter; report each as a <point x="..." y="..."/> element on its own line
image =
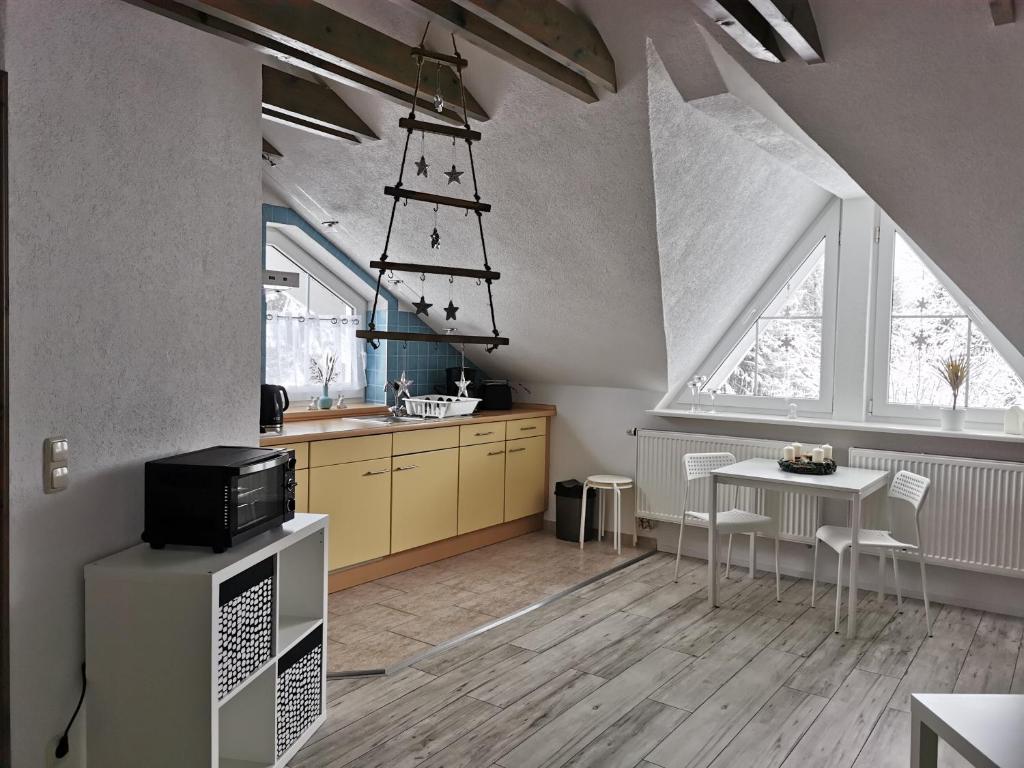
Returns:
<point x="328" y="429"/>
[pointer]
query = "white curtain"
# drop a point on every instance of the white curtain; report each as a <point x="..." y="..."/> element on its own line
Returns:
<point x="294" y="342"/>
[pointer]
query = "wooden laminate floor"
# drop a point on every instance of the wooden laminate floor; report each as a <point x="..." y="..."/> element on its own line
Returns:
<point x="381" y="622"/>
<point x="635" y="670"/>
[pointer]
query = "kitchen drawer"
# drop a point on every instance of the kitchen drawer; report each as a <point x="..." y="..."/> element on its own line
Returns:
<point x="526" y="428"/>
<point x="419" y="440"/>
<point x="475" y="434"/>
<point x="301" y="453"/>
<point x="347" y="449"/>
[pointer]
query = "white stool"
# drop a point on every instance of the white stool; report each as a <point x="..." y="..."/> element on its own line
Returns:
<point x="616" y="483"/>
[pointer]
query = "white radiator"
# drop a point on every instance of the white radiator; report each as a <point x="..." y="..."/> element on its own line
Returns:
<point x="661" y="479"/>
<point x="973" y="517"/>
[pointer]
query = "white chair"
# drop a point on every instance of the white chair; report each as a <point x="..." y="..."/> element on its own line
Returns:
<point x="615" y="483"/>
<point x="729" y="521"/>
<point x="906" y="487"/>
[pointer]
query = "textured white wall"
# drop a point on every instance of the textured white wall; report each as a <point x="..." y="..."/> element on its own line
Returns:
<point x="135" y="225"/>
<point x="727" y="213"/>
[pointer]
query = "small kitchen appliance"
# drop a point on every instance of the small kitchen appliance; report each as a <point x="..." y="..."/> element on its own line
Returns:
<point x="219" y="496"/>
<point x="273" y="403"/>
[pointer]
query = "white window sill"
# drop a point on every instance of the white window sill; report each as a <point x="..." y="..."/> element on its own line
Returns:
<point x="858" y="426"/>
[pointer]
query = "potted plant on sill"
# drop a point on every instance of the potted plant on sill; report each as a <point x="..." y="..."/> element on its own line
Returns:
<point x="324" y="373"/>
<point x="953" y="370"/>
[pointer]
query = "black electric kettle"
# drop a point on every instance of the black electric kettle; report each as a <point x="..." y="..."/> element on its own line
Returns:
<point x="273" y="403"/>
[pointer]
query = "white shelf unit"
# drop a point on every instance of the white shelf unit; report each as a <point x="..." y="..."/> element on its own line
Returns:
<point x="153" y="651"/>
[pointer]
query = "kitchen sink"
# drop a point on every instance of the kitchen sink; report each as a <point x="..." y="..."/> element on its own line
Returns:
<point x="383" y="421"/>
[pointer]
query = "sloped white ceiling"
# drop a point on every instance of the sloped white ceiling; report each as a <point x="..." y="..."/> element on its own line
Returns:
<point x="574" y="229"/>
<point x="727" y="213"/>
<point x="922" y="103"/>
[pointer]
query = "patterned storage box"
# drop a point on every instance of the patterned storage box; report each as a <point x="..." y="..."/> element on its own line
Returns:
<point x="299" y="691"/>
<point x="245" y="625"/>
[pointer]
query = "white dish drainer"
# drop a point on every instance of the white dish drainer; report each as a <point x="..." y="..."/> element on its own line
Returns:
<point x="440" y="406"/>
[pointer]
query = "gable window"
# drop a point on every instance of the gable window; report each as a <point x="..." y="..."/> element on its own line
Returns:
<point x="306" y="323"/>
<point x="920" y="321"/>
<point x="784" y="353"/>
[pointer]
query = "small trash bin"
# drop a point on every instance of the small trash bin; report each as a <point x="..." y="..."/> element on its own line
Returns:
<point x="568" y="499"/>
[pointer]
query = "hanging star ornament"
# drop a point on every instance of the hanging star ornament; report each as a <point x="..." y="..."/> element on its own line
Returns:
<point x="450" y="310"/>
<point x="402" y="386"/>
<point x="435" y="239"/>
<point x="421" y="166"/>
<point x="920" y="340"/>
<point x="463" y="384"/>
<point x="787" y="342"/>
<point x="454" y="175"/>
<point x="422" y="306"/>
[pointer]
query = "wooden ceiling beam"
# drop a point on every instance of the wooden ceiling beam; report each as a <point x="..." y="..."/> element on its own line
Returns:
<point x="1002" y="11"/>
<point x="317" y="129"/>
<point x="746" y="26"/>
<point x="288" y="96"/>
<point x="794" y="23"/>
<point x="296" y="57"/>
<point x="456" y="19"/>
<point x="325" y="33"/>
<point x="554" y="29"/>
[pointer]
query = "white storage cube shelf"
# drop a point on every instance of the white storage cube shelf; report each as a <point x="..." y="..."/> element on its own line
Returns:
<point x="204" y="659"/>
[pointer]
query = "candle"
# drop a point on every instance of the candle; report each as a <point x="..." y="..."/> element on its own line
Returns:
<point x="788" y="453"/>
<point x="798" y="450"/>
<point x="817" y="455"/>
<point x="828" y="450"/>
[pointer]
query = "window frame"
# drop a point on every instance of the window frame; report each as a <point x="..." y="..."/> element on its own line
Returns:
<point x="734" y="346"/>
<point x="316" y="271"/>
<point x="878" y="393"/>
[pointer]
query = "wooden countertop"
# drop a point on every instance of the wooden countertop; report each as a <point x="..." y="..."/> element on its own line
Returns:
<point x="328" y="429"/>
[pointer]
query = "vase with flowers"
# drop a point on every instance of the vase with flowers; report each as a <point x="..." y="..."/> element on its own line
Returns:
<point x="953" y="371"/>
<point x="324" y="372"/>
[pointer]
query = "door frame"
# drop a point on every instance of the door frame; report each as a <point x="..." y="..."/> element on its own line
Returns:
<point x="5" y="510"/>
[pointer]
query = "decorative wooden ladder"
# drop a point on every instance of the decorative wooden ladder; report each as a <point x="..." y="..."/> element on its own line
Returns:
<point x="487" y="275"/>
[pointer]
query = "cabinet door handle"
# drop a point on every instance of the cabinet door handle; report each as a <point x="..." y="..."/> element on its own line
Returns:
<point x="495" y="453"/>
<point x="408" y="466"/>
<point x="515" y="450"/>
<point x="526" y="429"/>
<point x="376" y="472"/>
<point x="482" y="434"/>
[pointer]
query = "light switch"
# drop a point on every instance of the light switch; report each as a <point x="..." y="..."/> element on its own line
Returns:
<point x="56" y="475"/>
<point x="58" y="450"/>
<point x="59" y="479"/>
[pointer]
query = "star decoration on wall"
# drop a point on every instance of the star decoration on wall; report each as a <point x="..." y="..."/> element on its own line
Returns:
<point x="422" y="306"/>
<point x="402" y="386"/>
<point x="463" y="384"/>
<point x="450" y="310"/>
<point x="435" y="239"/>
<point x="920" y="340"/>
<point x="421" y="166"/>
<point x="454" y="175"/>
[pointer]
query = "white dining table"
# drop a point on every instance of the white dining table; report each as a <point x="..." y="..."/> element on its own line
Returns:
<point x="850" y="484"/>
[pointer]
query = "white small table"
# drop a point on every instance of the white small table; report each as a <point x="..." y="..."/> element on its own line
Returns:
<point x="986" y="729"/>
<point x="847" y="483"/>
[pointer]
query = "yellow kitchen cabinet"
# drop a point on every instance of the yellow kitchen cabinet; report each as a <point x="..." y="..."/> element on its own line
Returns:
<point x="525" y="477"/>
<point x="424" y="497"/>
<point x="302" y="490"/>
<point x="481" y="486"/>
<point x="356" y="497"/>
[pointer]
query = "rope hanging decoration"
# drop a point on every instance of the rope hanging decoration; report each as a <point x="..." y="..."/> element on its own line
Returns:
<point x="398" y="192"/>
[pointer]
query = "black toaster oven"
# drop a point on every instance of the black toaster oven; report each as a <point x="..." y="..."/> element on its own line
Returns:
<point x="218" y="496"/>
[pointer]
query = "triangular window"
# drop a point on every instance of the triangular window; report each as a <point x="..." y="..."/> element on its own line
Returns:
<point x="927" y="324"/>
<point x="781" y="353"/>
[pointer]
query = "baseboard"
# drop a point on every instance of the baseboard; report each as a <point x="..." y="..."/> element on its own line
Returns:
<point x="430" y="553"/>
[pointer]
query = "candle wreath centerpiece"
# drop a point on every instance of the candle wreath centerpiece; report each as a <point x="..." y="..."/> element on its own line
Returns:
<point x="818" y="462"/>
